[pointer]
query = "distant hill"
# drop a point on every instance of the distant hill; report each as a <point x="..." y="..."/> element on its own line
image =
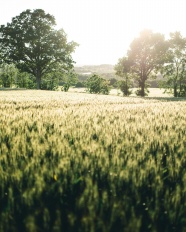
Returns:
<point x="104" y="70"/>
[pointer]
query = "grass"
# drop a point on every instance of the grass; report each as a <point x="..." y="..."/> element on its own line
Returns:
<point x="82" y="162"/>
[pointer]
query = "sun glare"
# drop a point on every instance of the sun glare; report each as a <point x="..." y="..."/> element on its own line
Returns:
<point x="105" y="28"/>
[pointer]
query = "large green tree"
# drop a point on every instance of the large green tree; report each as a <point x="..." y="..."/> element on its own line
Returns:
<point x="174" y="70"/>
<point x="34" y="45"/>
<point x="147" y="54"/>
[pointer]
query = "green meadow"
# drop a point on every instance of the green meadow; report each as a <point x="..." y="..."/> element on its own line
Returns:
<point x="91" y="163"/>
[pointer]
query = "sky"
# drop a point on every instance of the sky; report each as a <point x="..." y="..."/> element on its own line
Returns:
<point x="104" y="29"/>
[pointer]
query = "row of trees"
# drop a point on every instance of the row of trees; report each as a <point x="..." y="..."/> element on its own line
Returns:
<point x="150" y="54"/>
<point x="10" y="76"/>
<point x="31" y="45"/>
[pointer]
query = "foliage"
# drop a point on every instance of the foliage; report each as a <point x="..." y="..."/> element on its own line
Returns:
<point x="57" y="77"/>
<point x="123" y="69"/>
<point x="25" y="80"/>
<point x="80" y="84"/>
<point x="66" y="87"/>
<point x="174" y="70"/>
<point x="146" y="56"/>
<point x="96" y="84"/>
<point x="113" y="82"/>
<point x="68" y="79"/>
<point x="93" y="163"/>
<point x="124" y="87"/>
<point x="82" y="77"/>
<point x="32" y="43"/>
<point x="105" y="88"/>
<point x="1" y="55"/>
<point x="93" y="84"/>
<point x="140" y="92"/>
<point x="8" y="75"/>
<point x="49" y="82"/>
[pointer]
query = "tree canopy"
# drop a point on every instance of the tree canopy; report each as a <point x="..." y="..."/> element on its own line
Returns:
<point x="145" y="57"/>
<point x="8" y="75"/>
<point x="33" y="44"/>
<point x="174" y="70"/>
<point x="147" y="54"/>
<point x="123" y="69"/>
<point x="96" y="84"/>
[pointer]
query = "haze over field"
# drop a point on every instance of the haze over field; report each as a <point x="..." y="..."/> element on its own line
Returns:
<point x="105" y="28"/>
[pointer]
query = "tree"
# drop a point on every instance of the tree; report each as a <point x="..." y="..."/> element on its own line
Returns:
<point x="147" y="54"/>
<point x="174" y="70"/>
<point x="8" y="75"/>
<point x="70" y="78"/>
<point x="96" y="84"/>
<point x="123" y="69"/>
<point x="1" y="55"/>
<point x="25" y="80"/>
<point x="31" y="42"/>
<point x="105" y="88"/>
<point x="57" y="76"/>
<point x="80" y="84"/>
<point x="113" y="82"/>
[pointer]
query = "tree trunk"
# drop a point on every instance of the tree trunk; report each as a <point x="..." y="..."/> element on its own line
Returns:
<point x="143" y="89"/>
<point x="175" y="89"/>
<point x="176" y="83"/>
<point x="38" y="80"/>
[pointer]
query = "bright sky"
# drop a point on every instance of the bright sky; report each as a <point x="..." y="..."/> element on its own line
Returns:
<point x="104" y="28"/>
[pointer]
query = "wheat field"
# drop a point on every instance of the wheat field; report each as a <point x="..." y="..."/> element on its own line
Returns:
<point x="85" y="162"/>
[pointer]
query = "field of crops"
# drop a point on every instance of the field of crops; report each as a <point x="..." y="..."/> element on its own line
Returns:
<point x="90" y="163"/>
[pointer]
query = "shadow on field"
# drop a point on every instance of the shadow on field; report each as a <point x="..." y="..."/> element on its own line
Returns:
<point x="167" y="98"/>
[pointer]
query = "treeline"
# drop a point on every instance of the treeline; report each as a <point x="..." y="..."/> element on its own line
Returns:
<point x="151" y="61"/>
<point x="12" y="77"/>
<point x="34" y="54"/>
